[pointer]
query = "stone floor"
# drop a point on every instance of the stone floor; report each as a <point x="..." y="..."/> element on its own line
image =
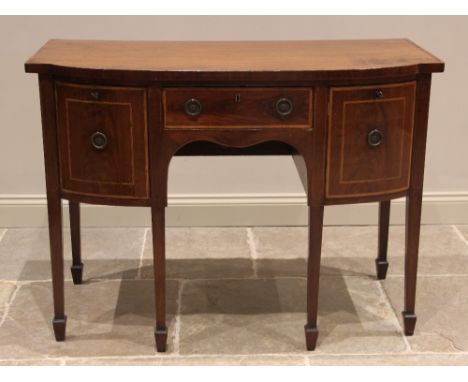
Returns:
<point x="235" y="296"/>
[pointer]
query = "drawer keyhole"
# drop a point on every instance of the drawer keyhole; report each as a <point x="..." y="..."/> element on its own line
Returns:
<point x="378" y="93"/>
<point x="95" y="95"/>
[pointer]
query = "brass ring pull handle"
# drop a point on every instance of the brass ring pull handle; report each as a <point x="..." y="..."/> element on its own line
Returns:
<point x="99" y="140"/>
<point x="374" y="138"/>
<point x="284" y="107"/>
<point x="193" y="107"/>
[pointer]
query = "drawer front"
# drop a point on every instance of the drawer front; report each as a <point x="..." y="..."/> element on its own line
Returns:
<point x="103" y="140"/>
<point x="370" y="140"/>
<point x="237" y="107"/>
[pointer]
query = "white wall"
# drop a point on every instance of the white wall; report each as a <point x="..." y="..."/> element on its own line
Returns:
<point x="233" y="181"/>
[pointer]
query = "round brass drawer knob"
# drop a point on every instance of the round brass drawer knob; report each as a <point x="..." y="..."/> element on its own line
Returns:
<point x="99" y="140"/>
<point x="193" y="107"/>
<point x="284" y="107"/>
<point x="375" y="138"/>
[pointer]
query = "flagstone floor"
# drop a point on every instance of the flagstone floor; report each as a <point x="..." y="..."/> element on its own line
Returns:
<point x="235" y="296"/>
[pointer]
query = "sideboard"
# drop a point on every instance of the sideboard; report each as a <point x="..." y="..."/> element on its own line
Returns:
<point x="352" y="114"/>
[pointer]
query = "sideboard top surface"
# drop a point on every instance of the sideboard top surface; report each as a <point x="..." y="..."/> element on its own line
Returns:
<point x="230" y="60"/>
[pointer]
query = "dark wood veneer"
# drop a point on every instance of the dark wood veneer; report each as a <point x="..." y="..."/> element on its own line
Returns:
<point x="121" y="168"/>
<point x="340" y="90"/>
<point x="237" y="107"/>
<point x="355" y="168"/>
<point x="245" y="61"/>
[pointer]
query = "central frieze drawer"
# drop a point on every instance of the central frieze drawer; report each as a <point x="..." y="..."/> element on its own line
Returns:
<point x="237" y="107"/>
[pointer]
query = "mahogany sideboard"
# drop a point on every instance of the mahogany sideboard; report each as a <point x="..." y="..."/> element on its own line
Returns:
<point x="353" y="114"/>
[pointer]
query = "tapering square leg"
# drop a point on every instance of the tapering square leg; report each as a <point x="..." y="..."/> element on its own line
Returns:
<point x="54" y="207"/>
<point x="77" y="265"/>
<point x="313" y="274"/>
<point x="414" y="202"/>
<point x="381" y="262"/>
<point x="158" y="230"/>
<point x="54" y="202"/>
<point x="413" y="226"/>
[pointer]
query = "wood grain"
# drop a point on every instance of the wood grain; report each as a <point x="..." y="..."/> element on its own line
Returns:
<point x="232" y="60"/>
<point x="237" y="107"/>
<point x="354" y="167"/>
<point x="414" y="201"/>
<point x="119" y="170"/>
<point x="54" y="202"/>
<point x="134" y="92"/>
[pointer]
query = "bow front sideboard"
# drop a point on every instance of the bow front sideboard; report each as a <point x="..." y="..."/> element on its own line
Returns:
<point x="352" y="114"/>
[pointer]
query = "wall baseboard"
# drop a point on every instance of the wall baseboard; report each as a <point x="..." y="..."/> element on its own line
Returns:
<point x="234" y="210"/>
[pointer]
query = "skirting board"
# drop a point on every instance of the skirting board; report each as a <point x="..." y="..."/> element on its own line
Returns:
<point x="233" y="210"/>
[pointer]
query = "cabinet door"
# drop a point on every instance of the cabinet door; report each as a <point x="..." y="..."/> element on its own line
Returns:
<point x="369" y="140"/>
<point x="103" y="141"/>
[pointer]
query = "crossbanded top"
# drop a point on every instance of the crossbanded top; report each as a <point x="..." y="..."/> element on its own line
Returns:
<point x="226" y="60"/>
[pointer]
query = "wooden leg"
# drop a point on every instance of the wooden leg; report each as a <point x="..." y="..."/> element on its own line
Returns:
<point x="158" y="229"/>
<point x="381" y="262"/>
<point x="313" y="274"/>
<point x="54" y="202"/>
<point x="77" y="265"/>
<point x="54" y="208"/>
<point x="413" y="225"/>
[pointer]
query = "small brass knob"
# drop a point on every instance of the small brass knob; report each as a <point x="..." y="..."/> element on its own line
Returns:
<point x="378" y="93"/>
<point x="284" y="107"/>
<point x="193" y="107"/>
<point x="99" y="140"/>
<point x="374" y="138"/>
